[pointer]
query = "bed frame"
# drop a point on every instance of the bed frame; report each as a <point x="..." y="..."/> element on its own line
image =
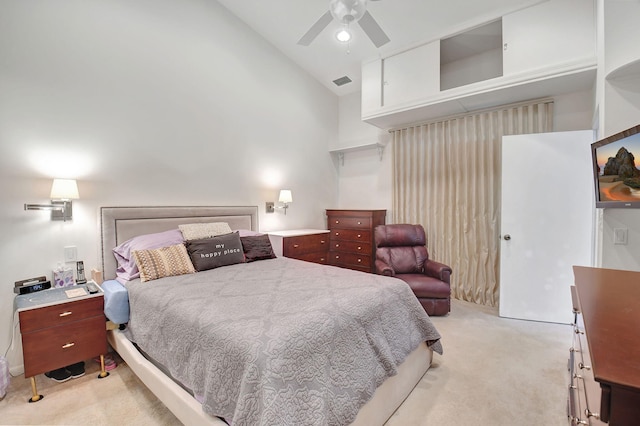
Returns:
<point x="119" y="224"/>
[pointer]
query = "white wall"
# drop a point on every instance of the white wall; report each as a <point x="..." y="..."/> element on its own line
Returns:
<point x="148" y="102"/>
<point x="619" y="105"/>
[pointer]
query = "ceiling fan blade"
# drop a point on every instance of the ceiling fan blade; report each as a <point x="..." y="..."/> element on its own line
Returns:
<point x="316" y="29"/>
<point x="373" y="30"/>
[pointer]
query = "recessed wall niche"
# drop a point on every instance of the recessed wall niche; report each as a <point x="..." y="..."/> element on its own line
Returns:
<point x="472" y="56"/>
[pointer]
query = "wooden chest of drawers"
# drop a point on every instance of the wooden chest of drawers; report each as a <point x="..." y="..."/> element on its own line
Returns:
<point x="305" y="244"/>
<point x="351" y="242"/>
<point x="603" y="362"/>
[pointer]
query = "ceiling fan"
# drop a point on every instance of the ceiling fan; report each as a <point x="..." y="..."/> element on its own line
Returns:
<point x="346" y="12"/>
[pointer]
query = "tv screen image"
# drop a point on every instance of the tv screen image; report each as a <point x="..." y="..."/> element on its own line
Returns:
<point x="615" y="166"/>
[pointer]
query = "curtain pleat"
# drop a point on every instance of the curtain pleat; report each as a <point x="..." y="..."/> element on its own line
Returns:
<point x="446" y="176"/>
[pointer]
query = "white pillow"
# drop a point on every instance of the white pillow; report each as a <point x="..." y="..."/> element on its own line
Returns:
<point x="198" y="231"/>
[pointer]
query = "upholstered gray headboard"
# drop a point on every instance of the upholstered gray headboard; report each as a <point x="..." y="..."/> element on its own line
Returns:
<point x="118" y="224"/>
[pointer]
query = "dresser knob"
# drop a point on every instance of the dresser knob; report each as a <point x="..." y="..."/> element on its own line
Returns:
<point x="68" y="345"/>
<point x="359" y="235"/>
<point x="359" y="223"/>
<point x="337" y="257"/>
<point x="322" y="259"/>
<point x="321" y="241"/>
<point x="337" y="245"/>
<point x="359" y="260"/>
<point x="584" y="367"/>
<point x="337" y="233"/>
<point x="64" y="314"/>
<point x="296" y="246"/>
<point x="359" y="248"/>
<point x="337" y="221"/>
<point x="591" y="414"/>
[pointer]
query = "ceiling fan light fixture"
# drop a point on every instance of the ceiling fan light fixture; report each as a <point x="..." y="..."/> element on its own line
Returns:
<point x="343" y="35"/>
<point x="347" y="11"/>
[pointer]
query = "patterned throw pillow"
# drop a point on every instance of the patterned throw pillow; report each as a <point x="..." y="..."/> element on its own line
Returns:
<point x="163" y="262"/>
<point x="257" y="247"/>
<point x="209" y="253"/>
<point x="197" y="231"/>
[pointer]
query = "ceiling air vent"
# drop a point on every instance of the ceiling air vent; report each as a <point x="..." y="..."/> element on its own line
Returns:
<point x="342" y="81"/>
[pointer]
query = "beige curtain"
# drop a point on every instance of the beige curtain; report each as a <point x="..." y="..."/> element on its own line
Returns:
<point x="446" y="176"/>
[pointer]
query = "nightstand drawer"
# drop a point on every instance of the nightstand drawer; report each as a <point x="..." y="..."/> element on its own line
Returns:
<point x="60" y="314"/>
<point x="318" y="257"/>
<point x="303" y="244"/>
<point x="53" y="347"/>
<point x="350" y="235"/>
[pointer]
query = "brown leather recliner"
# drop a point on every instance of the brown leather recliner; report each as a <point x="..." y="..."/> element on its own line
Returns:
<point x="401" y="252"/>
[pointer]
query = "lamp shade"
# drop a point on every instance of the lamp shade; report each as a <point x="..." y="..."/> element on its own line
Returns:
<point x="285" y="196"/>
<point x="64" y="189"/>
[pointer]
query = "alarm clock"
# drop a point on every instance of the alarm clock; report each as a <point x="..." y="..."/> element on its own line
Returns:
<point x="31" y="285"/>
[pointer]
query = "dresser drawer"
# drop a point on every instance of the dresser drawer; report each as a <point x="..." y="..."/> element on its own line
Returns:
<point x="60" y="314"/>
<point x="53" y="347"/>
<point x="350" y="259"/>
<point x="296" y="246"/>
<point x="350" y="235"/>
<point x="320" y="257"/>
<point x="350" y="222"/>
<point x="351" y="247"/>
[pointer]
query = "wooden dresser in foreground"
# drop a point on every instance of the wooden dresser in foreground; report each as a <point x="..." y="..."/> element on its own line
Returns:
<point x="351" y="243"/>
<point x="604" y="361"/>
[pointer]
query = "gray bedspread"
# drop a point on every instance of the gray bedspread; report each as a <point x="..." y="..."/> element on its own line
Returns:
<point x="279" y="341"/>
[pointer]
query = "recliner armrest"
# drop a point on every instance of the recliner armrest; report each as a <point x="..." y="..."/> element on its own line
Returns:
<point x="437" y="270"/>
<point x="383" y="269"/>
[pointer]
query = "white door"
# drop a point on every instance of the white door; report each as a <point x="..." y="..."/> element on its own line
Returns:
<point x="546" y="222"/>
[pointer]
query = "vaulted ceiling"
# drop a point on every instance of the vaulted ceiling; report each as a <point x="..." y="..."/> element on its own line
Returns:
<point x="406" y="22"/>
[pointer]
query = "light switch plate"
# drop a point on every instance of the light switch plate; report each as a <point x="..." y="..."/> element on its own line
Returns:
<point x="70" y="254"/>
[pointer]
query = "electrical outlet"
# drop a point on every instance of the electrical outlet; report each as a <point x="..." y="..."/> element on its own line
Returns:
<point x="70" y="254"/>
<point x="620" y="236"/>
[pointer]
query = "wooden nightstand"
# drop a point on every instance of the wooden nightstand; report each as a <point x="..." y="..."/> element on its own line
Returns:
<point x="58" y="331"/>
<point x="311" y="245"/>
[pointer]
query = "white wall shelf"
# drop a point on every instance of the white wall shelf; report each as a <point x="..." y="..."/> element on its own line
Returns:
<point x="374" y="145"/>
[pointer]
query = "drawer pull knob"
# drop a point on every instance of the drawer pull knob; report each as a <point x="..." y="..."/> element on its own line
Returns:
<point x="359" y="248"/>
<point x="337" y="233"/>
<point x="337" y="257"/>
<point x="359" y="223"/>
<point x="321" y="241"/>
<point x="68" y="345"/>
<point x="64" y="314"/>
<point x="359" y="260"/>
<point x="337" y="245"/>
<point x="359" y="235"/>
<point x="591" y="414"/>
<point x="337" y="221"/>
<point x="584" y="367"/>
<point x="296" y="246"/>
<point x="322" y="259"/>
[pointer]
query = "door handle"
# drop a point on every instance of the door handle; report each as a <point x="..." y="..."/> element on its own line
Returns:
<point x="507" y="237"/>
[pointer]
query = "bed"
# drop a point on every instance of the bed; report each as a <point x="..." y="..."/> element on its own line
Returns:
<point x="290" y="386"/>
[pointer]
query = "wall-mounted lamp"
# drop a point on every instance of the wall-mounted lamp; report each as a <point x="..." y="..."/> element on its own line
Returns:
<point x="62" y="192"/>
<point x="285" y="198"/>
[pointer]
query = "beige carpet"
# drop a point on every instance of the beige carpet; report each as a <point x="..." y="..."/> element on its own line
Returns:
<point x="494" y="371"/>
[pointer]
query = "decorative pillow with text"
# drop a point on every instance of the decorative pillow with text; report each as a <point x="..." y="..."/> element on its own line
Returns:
<point x="209" y="253"/>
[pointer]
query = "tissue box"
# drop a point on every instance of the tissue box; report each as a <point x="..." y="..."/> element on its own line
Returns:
<point x="63" y="278"/>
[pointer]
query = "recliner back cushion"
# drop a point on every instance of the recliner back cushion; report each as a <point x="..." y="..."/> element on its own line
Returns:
<point x="403" y="260"/>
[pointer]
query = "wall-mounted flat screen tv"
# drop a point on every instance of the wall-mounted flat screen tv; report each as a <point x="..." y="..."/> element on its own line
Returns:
<point x="615" y="168"/>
